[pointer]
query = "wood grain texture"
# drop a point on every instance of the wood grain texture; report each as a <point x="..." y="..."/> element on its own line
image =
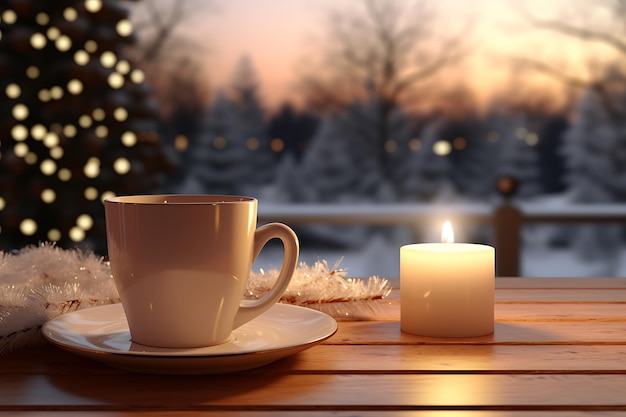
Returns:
<point x="559" y="349"/>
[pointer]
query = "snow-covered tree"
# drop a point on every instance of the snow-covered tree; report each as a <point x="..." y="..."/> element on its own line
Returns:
<point x="517" y="156"/>
<point x="219" y="162"/>
<point x="595" y="152"/>
<point x="252" y="126"/>
<point x="423" y="175"/>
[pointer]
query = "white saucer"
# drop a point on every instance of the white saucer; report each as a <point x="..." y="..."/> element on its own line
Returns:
<point x="101" y="333"/>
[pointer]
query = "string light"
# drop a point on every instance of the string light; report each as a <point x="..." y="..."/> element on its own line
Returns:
<point x="64" y="43"/>
<point x="90" y="193"/>
<point x="2" y="203"/>
<point x="102" y="131"/>
<point x="124" y="27"/>
<point x="121" y="166"/>
<point x="31" y="158"/>
<point x="137" y="76"/>
<point x="120" y="114"/>
<point x="38" y="131"/>
<point x="19" y="132"/>
<point x="70" y="131"/>
<point x="129" y="139"/>
<point x="77" y="234"/>
<point x="442" y="148"/>
<point x="54" y="235"/>
<point x="28" y="227"/>
<point x="9" y="16"/>
<point x="57" y="152"/>
<point x="38" y="41"/>
<point x="91" y="46"/>
<point x="116" y="80"/>
<point x="32" y="72"/>
<point x="70" y="14"/>
<point x="93" y="6"/>
<point x="53" y="33"/>
<point x="20" y="149"/>
<point x="92" y="167"/>
<point x="98" y="114"/>
<point x="48" y="196"/>
<point x="51" y="140"/>
<point x="44" y="95"/>
<point x="75" y="87"/>
<point x="13" y="91"/>
<point x="108" y="59"/>
<point x="42" y="18"/>
<point x="81" y="57"/>
<point x="84" y="221"/>
<point x="85" y="121"/>
<point x="64" y="174"/>
<point x="48" y="167"/>
<point x="56" y="92"/>
<point x="20" y="111"/>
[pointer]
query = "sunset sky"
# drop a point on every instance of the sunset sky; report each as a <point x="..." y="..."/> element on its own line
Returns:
<point x="276" y="33"/>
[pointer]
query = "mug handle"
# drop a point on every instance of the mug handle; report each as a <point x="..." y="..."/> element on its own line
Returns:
<point x="262" y="235"/>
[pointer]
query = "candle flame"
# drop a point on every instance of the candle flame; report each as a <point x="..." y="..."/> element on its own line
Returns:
<point x="447" y="235"/>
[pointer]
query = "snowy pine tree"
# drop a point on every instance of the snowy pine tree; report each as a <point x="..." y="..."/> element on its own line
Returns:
<point x="252" y="127"/>
<point x="424" y="174"/>
<point x="218" y="163"/>
<point x="595" y="155"/>
<point x="517" y="156"/>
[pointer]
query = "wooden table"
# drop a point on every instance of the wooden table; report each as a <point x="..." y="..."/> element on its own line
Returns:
<point x="559" y="348"/>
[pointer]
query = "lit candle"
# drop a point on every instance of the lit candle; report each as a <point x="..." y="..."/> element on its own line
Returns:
<point x="447" y="289"/>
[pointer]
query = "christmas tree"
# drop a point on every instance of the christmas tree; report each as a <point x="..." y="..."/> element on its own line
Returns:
<point x="76" y="121"/>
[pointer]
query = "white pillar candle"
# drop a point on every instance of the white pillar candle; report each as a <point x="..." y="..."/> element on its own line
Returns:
<point x="447" y="289"/>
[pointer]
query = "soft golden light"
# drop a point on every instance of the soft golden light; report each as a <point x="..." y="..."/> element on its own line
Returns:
<point x="91" y="46"/>
<point x="57" y="152"/>
<point x="84" y="221"/>
<point x="253" y="144"/>
<point x="28" y="227"/>
<point x="85" y="121"/>
<point x="65" y="174"/>
<point x="124" y="27"/>
<point x="277" y="145"/>
<point x="13" y="90"/>
<point x="42" y="18"/>
<point x="75" y="86"/>
<point x="48" y="167"/>
<point x="137" y="76"/>
<point x="77" y="234"/>
<point x="120" y="114"/>
<point x="447" y="235"/>
<point x="123" y="67"/>
<point x="53" y="33"/>
<point x="44" y="95"/>
<point x="129" y="139"/>
<point x="92" y="168"/>
<point x="70" y="131"/>
<point x="102" y="131"/>
<point x="90" y="193"/>
<point x="21" y="149"/>
<point x="32" y="72"/>
<point x="442" y="147"/>
<point x="38" y="131"/>
<point x="48" y="196"/>
<point x="391" y="146"/>
<point x="121" y="166"/>
<point x="219" y="143"/>
<point x="20" y="111"/>
<point x="31" y="158"/>
<point x="9" y="16"/>
<point x="107" y="194"/>
<point x="459" y="143"/>
<point x="56" y="92"/>
<point x="532" y="139"/>
<point x="38" y="41"/>
<point x="51" y="140"/>
<point x="181" y="143"/>
<point x="2" y="203"/>
<point x="19" y="132"/>
<point x="93" y="6"/>
<point x="108" y="59"/>
<point x="70" y="14"/>
<point x="54" y="235"/>
<point x="81" y="57"/>
<point x="98" y="114"/>
<point x="115" y="80"/>
<point x="415" y="144"/>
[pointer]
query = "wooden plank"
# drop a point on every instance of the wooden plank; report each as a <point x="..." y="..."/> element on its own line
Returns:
<point x="314" y="392"/>
<point x="374" y="358"/>
<point x="511" y="311"/>
<point x="511" y="282"/>
<point x="543" y="295"/>
<point x="380" y="413"/>
<point x="575" y="333"/>
<point x="558" y="312"/>
<point x="460" y="358"/>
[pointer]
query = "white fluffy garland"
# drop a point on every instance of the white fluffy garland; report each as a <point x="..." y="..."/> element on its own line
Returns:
<point x="40" y="283"/>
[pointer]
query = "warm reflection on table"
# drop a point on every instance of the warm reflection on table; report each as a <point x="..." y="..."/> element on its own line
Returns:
<point x="559" y="348"/>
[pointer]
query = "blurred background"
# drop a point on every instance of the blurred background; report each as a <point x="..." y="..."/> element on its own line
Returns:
<point x="381" y="107"/>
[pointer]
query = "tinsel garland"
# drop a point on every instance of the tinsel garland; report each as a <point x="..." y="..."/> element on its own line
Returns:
<point x="41" y="282"/>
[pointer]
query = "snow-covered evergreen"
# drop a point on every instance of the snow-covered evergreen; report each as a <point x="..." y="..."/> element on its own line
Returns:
<point x="595" y="152"/>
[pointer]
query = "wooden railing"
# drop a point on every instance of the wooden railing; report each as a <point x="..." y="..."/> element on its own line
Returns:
<point x="507" y="219"/>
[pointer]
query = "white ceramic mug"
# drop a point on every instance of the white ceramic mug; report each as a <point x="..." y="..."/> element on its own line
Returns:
<point x="181" y="263"/>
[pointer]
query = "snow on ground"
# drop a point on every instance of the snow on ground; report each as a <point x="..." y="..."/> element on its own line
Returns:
<point x="382" y="258"/>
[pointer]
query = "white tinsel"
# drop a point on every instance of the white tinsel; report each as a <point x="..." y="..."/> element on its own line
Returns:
<point x="40" y="283"/>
